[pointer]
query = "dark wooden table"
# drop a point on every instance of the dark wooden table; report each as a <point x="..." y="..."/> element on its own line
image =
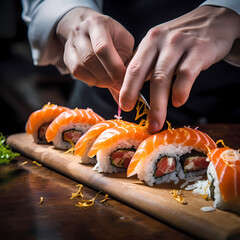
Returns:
<point x="22" y="217"/>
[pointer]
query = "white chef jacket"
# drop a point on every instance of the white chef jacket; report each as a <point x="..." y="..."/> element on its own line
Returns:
<point x="42" y="17"/>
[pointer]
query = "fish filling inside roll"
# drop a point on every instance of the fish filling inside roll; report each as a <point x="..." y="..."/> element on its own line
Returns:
<point x="122" y="157"/>
<point x="41" y="132"/>
<point x="164" y="166"/>
<point x="72" y="135"/>
<point x="194" y="161"/>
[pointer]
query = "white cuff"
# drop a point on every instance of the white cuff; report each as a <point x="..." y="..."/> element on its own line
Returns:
<point x="232" y="4"/>
<point x="233" y="56"/>
<point x="45" y="48"/>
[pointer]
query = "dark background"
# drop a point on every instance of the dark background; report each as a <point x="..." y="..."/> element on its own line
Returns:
<point x="25" y="88"/>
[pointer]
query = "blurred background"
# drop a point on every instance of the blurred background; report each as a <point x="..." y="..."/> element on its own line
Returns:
<point x="24" y="87"/>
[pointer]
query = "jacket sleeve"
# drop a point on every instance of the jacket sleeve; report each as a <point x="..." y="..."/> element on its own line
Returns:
<point x="233" y="56"/>
<point x="42" y="18"/>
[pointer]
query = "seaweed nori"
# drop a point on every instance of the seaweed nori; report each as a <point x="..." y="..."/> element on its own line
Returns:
<point x="212" y="187"/>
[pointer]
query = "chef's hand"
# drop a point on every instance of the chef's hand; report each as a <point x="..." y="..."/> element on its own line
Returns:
<point x="183" y="47"/>
<point x="96" y="48"/>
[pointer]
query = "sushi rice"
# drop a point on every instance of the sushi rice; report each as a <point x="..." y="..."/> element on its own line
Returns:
<point x="146" y="173"/>
<point x="210" y="188"/>
<point x="232" y="204"/>
<point x="58" y="140"/>
<point x="187" y="147"/>
<point x="103" y="156"/>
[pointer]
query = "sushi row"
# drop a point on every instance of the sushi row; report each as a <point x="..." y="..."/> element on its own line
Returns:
<point x="117" y="146"/>
<point x="113" y="145"/>
<point x="60" y="125"/>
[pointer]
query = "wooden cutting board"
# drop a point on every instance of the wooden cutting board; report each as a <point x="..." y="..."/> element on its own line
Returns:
<point x="155" y="201"/>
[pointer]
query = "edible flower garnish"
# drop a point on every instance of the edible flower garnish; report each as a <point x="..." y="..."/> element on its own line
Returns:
<point x="141" y="107"/>
<point x="230" y="157"/>
<point x="177" y="196"/>
<point x="36" y="163"/>
<point x="78" y="193"/>
<point x="105" y="198"/>
<point x="6" y="154"/>
<point x="142" y="110"/>
<point x="207" y="147"/>
<point x="24" y="163"/>
<point x="41" y="201"/>
<point x="170" y="129"/>
<point x="86" y="202"/>
<point x="48" y="105"/>
<point x="222" y="142"/>
<point x="72" y="149"/>
<point x="205" y="195"/>
<point x="144" y="123"/>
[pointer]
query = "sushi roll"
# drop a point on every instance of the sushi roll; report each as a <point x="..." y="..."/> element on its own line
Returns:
<point x="115" y="147"/>
<point x="171" y="155"/>
<point x="39" y="121"/>
<point x="68" y="127"/>
<point x="86" y="141"/>
<point x="224" y="178"/>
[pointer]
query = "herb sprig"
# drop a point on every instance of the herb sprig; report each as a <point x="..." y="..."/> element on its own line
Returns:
<point x="6" y="153"/>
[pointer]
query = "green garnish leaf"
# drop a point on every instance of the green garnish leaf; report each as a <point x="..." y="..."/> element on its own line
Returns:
<point x="6" y="153"/>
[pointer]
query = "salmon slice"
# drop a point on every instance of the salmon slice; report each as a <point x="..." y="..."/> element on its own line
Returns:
<point x="84" y="116"/>
<point x="112" y="135"/>
<point x="85" y="142"/>
<point x="184" y="136"/>
<point x="227" y="166"/>
<point x="39" y="120"/>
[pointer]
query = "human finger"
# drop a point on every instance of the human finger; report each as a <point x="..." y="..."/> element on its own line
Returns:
<point x="107" y="53"/>
<point x="160" y="86"/>
<point x="188" y="69"/>
<point x="73" y="63"/>
<point x="137" y="71"/>
<point x="91" y="62"/>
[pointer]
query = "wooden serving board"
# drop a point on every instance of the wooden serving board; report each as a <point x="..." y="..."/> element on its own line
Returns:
<point x="155" y="201"/>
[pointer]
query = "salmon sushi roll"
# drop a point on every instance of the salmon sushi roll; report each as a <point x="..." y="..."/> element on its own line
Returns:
<point x="86" y="141"/>
<point x="68" y="127"/>
<point x="115" y="147"/>
<point x="39" y="121"/>
<point x="224" y="178"/>
<point x="171" y="155"/>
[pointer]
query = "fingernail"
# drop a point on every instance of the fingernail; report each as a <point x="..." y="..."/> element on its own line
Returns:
<point x="176" y="103"/>
<point x="153" y="126"/>
<point x="125" y="107"/>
